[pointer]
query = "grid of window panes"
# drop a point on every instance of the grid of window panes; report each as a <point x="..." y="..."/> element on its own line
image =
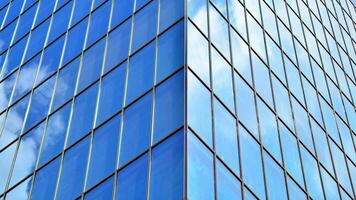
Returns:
<point x="84" y="89"/>
<point x="271" y="99"/>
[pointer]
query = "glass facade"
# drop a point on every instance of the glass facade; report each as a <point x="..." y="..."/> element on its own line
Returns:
<point x="177" y="99"/>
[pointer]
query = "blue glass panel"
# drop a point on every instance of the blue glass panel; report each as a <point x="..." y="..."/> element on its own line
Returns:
<point x="122" y="10"/>
<point x="197" y="12"/>
<point x="132" y="180"/>
<point x="252" y="168"/>
<point x="53" y="141"/>
<point x="6" y="87"/>
<point x="262" y="81"/>
<point x="200" y="170"/>
<point x="37" y="40"/>
<point x="219" y="32"/>
<point x="170" y="11"/>
<point x="73" y="171"/>
<point x="75" y="41"/>
<point x="169" y="106"/>
<point x="6" y="157"/>
<point x="282" y="102"/>
<point x="104" y="151"/>
<point x="102" y="192"/>
<point x="295" y="193"/>
<point x="269" y="132"/>
<point x="226" y="136"/>
<point x="83" y="114"/>
<point x="276" y="187"/>
<point x="118" y="45"/>
<point x="65" y="83"/>
<point x="312" y="177"/>
<point x="45" y="181"/>
<point x="198" y="51"/>
<point x="237" y="17"/>
<point x="241" y="56"/>
<point x="40" y="101"/>
<point x="6" y="35"/>
<point x="136" y="130"/>
<point x="167" y="169"/>
<point x="13" y="123"/>
<point x="291" y="154"/>
<point x="246" y="108"/>
<point x="330" y="186"/>
<point x="141" y="71"/>
<point x="60" y="21"/>
<point x="222" y="79"/>
<point x="25" y="23"/>
<point x="14" y="56"/>
<point x="140" y="4"/>
<point x="229" y="187"/>
<point x="199" y="104"/>
<point x="46" y="8"/>
<point x="50" y="60"/>
<point x="27" y="154"/>
<point x="92" y="62"/>
<point x="144" y="25"/>
<point x="81" y="9"/>
<point x="112" y="93"/>
<point x="14" y="10"/>
<point x="302" y="125"/>
<point x="21" y="191"/>
<point x="26" y="78"/>
<point x="170" y="51"/>
<point x="99" y="22"/>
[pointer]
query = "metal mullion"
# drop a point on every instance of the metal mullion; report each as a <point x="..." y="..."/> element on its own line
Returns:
<point x="185" y="107"/>
<point x="62" y="154"/>
<point x="124" y="98"/>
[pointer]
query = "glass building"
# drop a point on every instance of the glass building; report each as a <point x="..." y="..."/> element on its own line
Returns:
<point x="177" y="99"/>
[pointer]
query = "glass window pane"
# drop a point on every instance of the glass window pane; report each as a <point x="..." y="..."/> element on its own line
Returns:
<point x="132" y="180"/>
<point x="295" y="193"/>
<point x="91" y="66"/>
<point x="40" y="101"/>
<point x="137" y="129"/>
<point x="26" y="156"/>
<point x="83" y="114"/>
<point x="200" y="170"/>
<point x="81" y="9"/>
<point x="226" y="136"/>
<point x="46" y="8"/>
<point x="197" y="12"/>
<point x="20" y="191"/>
<point x="112" y="93"/>
<point x="170" y="50"/>
<point x="261" y="79"/>
<point x="101" y="192"/>
<point x="291" y="154"/>
<point x="141" y="71"/>
<point x="275" y="179"/>
<point x="122" y="9"/>
<point x="104" y="151"/>
<point x="222" y="79"/>
<point x="50" y="59"/>
<point x="99" y="22"/>
<point x="241" y="56"/>
<point x="167" y="169"/>
<point x="229" y="187"/>
<point x="312" y="177"/>
<point x="199" y="104"/>
<point x="170" y="11"/>
<point x="73" y="171"/>
<point x="118" y="44"/>
<point x="219" y="32"/>
<point x="75" y="41"/>
<point x="169" y="106"/>
<point x="14" y="56"/>
<point x="269" y="132"/>
<point x="144" y="25"/>
<point x="53" y="141"/>
<point x="282" y="102"/>
<point x="198" y="52"/>
<point x="6" y="157"/>
<point x="330" y="186"/>
<point x="65" y="83"/>
<point x="45" y="181"/>
<point x="60" y="21"/>
<point x="36" y="40"/>
<point x="252" y="168"/>
<point x="13" y="123"/>
<point x="6" y="87"/>
<point x="246" y="109"/>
